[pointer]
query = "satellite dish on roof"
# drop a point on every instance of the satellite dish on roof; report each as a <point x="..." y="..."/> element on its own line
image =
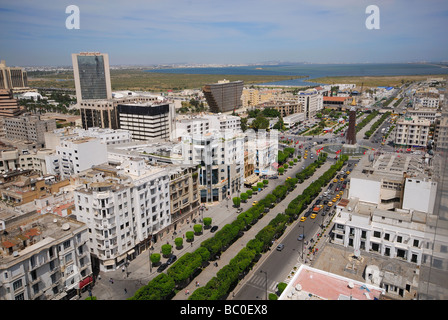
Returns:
<point x="351" y="285"/>
<point x="65" y="226"/>
<point x="357" y="253"/>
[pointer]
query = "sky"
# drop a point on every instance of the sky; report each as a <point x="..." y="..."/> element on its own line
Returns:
<point x="147" y="32"/>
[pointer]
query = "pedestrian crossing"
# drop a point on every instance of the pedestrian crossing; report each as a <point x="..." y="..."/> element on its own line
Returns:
<point x="259" y="281"/>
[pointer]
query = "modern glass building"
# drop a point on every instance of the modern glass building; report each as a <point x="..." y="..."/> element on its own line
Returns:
<point x="92" y="76"/>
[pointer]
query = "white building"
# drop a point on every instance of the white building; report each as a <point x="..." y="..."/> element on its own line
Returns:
<point x="77" y="154"/>
<point x="292" y="119"/>
<point x="195" y="125"/>
<point x="221" y="156"/>
<point x="43" y="257"/>
<point x="223" y="122"/>
<point x="125" y="212"/>
<point x="412" y="132"/>
<point x="312" y="102"/>
<point x="389" y="210"/>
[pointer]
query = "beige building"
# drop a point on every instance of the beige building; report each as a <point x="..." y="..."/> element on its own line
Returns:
<point x="12" y="78"/>
<point x="412" y="132"/>
<point x="28" y="128"/>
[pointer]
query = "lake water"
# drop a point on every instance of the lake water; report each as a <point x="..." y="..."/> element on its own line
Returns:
<point x="313" y="71"/>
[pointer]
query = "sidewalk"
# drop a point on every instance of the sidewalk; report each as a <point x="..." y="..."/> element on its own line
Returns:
<point x="210" y="271"/>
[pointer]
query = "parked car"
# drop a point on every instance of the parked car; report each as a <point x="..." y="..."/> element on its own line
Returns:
<point x="280" y="247"/>
<point x="162" y="267"/>
<point x="214" y="228"/>
<point x="171" y="259"/>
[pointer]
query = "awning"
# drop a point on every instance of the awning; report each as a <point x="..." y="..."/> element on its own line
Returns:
<point x="85" y="282"/>
<point x="251" y="179"/>
<point x="109" y="262"/>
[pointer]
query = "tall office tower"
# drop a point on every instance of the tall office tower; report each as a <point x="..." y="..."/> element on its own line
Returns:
<point x="224" y="95"/>
<point x="12" y="78"/>
<point x="312" y="102"/>
<point x="92" y="76"/>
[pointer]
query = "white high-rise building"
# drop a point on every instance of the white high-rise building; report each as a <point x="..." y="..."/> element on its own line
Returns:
<point x="221" y="156"/>
<point x="312" y="101"/>
<point x="125" y="211"/>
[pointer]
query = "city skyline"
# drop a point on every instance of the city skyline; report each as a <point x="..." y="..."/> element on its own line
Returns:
<point x="231" y="32"/>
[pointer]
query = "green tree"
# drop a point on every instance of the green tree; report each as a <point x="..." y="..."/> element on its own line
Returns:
<point x="166" y="249"/>
<point x="197" y="228"/>
<point x="260" y="122"/>
<point x="189" y="235"/>
<point x="244" y="196"/>
<point x="207" y="221"/>
<point x="236" y="201"/>
<point x="179" y="242"/>
<point x="155" y="258"/>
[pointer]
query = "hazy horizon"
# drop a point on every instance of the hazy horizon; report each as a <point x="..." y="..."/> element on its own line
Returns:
<point x="148" y="33"/>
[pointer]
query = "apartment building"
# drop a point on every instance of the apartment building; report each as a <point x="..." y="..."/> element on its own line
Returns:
<point x="150" y="120"/>
<point x="286" y="108"/>
<point x="412" y="132"/>
<point x="223" y="122"/>
<point x="184" y="194"/>
<point x="312" y="102"/>
<point x="106" y="135"/>
<point x="195" y="125"/>
<point x="28" y="128"/>
<point x="75" y="155"/>
<point x="43" y="257"/>
<point x="221" y="156"/>
<point x="126" y="209"/>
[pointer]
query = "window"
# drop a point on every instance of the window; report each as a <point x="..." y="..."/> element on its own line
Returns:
<point x="66" y="244"/>
<point x="377" y="234"/>
<point x="17" y="284"/>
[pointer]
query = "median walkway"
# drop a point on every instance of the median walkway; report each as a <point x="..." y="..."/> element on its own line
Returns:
<point x="210" y="271"/>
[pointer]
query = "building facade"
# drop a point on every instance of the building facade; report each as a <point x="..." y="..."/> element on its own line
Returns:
<point x="412" y="132"/>
<point x="312" y="102"/>
<point x="150" y="120"/>
<point x="92" y="76"/>
<point x="126" y="209"/>
<point x="43" y="257"/>
<point x="223" y="96"/>
<point x="28" y="128"/>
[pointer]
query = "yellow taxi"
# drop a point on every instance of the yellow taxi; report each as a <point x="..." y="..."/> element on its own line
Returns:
<point x="313" y="216"/>
<point x="348" y="172"/>
<point x="342" y="179"/>
<point x="330" y="204"/>
<point x="334" y="200"/>
<point x="341" y="193"/>
<point x="305" y="157"/>
<point x="288" y="178"/>
<point x="254" y="203"/>
<point x="337" y="196"/>
<point x="335" y="180"/>
<point x="303" y="218"/>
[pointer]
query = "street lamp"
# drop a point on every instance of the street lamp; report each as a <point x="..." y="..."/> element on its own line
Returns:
<point x="266" y="275"/>
<point x="303" y="232"/>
